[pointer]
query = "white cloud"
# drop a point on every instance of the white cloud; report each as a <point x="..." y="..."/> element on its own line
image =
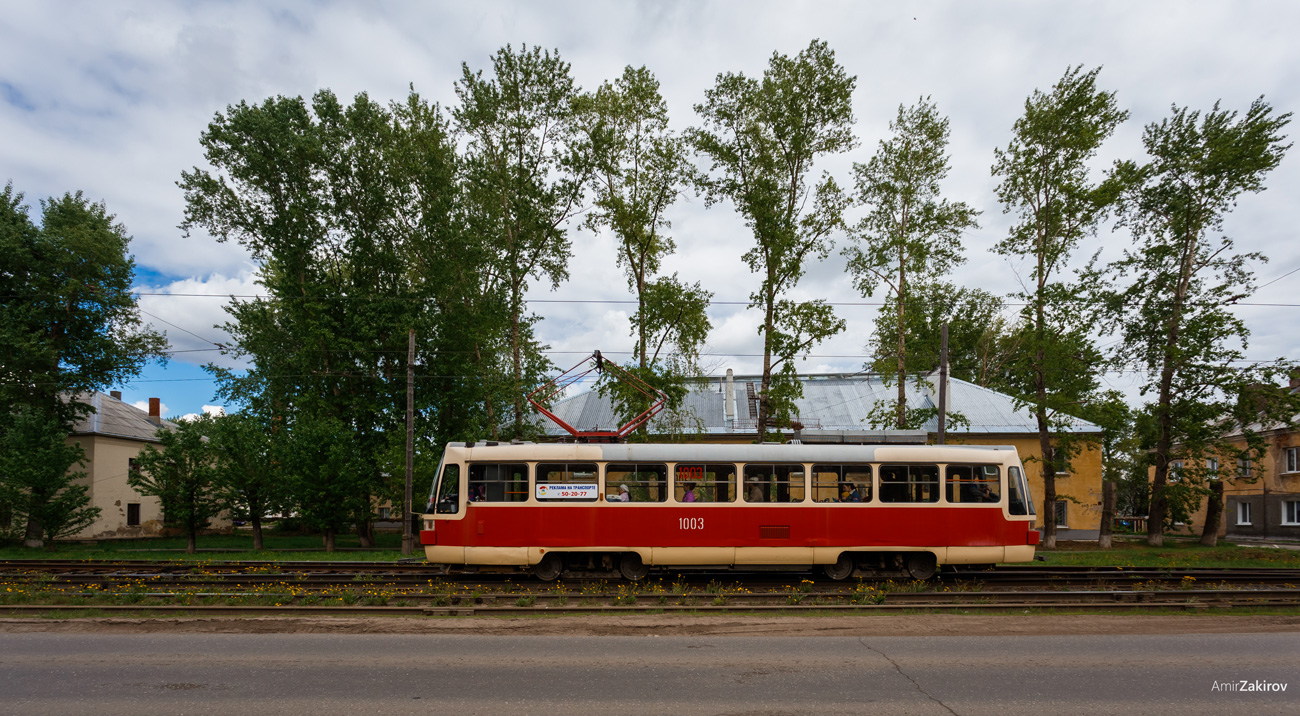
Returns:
<point x="112" y="99"/>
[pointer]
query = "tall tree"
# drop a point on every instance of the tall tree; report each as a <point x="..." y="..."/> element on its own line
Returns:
<point x="70" y="326"/>
<point x="763" y="138"/>
<point x="180" y="475"/>
<point x="910" y="230"/>
<point x="525" y="166"/>
<point x="1175" y="316"/>
<point x="246" y="477"/>
<point x="37" y="458"/>
<point x="1045" y="183"/>
<point x="334" y="201"/>
<point x="640" y="169"/>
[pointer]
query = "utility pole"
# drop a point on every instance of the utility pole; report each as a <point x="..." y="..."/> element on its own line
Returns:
<point x="408" y="536"/>
<point x="943" y="383"/>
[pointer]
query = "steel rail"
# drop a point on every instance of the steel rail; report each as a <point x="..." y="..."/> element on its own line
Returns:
<point x="914" y="602"/>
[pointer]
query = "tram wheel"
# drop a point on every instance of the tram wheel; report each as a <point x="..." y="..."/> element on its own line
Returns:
<point x="920" y="565"/>
<point x="549" y="569"/>
<point x="841" y="570"/>
<point x="632" y="568"/>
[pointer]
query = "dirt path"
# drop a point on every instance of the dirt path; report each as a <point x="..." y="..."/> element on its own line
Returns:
<point x="661" y="625"/>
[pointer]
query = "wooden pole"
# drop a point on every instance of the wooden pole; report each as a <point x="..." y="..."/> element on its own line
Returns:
<point x="943" y="383"/>
<point x="408" y="535"/>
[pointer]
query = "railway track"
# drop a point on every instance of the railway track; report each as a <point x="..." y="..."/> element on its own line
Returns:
<point x="323" y="574"/>
<point x="349" y="588"/>
<point x="499" y="605"/>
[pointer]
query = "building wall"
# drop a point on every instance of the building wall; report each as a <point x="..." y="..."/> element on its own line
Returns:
<point x="1272" y="486"/>
<point x="107" y="464"/>
<point x="1080" y="488"/>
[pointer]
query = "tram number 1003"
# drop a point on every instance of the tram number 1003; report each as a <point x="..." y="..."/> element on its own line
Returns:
<point x="690" y="523"/>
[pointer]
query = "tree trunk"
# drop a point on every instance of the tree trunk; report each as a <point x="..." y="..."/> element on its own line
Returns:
<point x="518" y="361"/>
<point x="900" y="419"/>
<point x="1048" y="460"/>
<point x="767" y="371"/>
<point x="257" y="532"/>
<point x="1107" y="514"/>
<point x="328" y="539"/>
<point x="1213" y="515"/>
<point x="191" y="542"/>
<point x="35" y="533"/>
<point x="365" y="533"/>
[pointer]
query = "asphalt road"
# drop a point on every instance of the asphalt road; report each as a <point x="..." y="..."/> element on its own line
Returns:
<point x="316" y="674"/>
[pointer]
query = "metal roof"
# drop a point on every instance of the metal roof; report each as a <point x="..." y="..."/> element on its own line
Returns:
<point x="829" y="402"/>
<point x="116" y="418"/>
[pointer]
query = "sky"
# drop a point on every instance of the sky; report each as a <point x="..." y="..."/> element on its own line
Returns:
<point x="110" y="98"/>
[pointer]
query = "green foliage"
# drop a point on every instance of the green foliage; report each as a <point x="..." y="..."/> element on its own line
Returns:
<point x="909" y="230"/>
<point x="69" y="326"/>
<point x="762" y="138"/>
<point x="981" y="345"/>
<point x="1123" y="458"/>
<point x="180" y="475"/>
<point x="1044" y="181"/>
<point x="640" y="170"/>
<point x="351" y="212"/>
<point x="1174" y="315"/>
<point x="37" y="476"/>
<point x="246" y="478"/>
<point x="524" y="168"/>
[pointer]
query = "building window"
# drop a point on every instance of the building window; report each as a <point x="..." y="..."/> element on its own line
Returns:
<point x="1292" y="455"/>
<point x="1291" y="512"/>
<point x="1175" y="471"/>
<point x="1243" y="513"/>
<point x="1061" y="514"/>
<point x="384" y="512"/>
<point x="1212" y="466"/>
<point x="133" y="514"/>
<point x="1243" y="467"/>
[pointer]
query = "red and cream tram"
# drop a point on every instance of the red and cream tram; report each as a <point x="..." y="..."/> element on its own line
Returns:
<point x="630" y="507"/>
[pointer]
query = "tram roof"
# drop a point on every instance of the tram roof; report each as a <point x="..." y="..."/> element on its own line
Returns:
<point x="830" y="402"/>
<point x="713" y="452"/>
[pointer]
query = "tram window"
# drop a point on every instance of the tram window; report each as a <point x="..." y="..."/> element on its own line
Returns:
<point x="705" y="483"/>
<point x="447" y="499"/>
<point x="973" y="483"/>
<point x="1018" y="493"/>
<point x="498" y="482"/>
<point x="909" y="483"/>
<point x="645" y="483"/>
<point x="567" y="482"/>
<point x="841" y="483"/>
<point x="774" y="483"/>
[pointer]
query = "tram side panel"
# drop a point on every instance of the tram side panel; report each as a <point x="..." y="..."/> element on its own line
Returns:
<point x="508" y="529"/>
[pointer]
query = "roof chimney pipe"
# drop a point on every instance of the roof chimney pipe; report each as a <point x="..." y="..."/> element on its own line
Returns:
<point x="729" y="400"/>
<point x="117" y="394"/>
<point x="155" y="411"/>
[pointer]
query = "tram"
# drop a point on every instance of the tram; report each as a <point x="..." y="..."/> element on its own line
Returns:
<point x="627" y="508"/>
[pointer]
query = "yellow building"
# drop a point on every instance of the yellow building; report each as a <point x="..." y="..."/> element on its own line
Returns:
<point x="1260" y="499"/>
<point x="834" y="408"/>
<point x="112" y="436"/>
